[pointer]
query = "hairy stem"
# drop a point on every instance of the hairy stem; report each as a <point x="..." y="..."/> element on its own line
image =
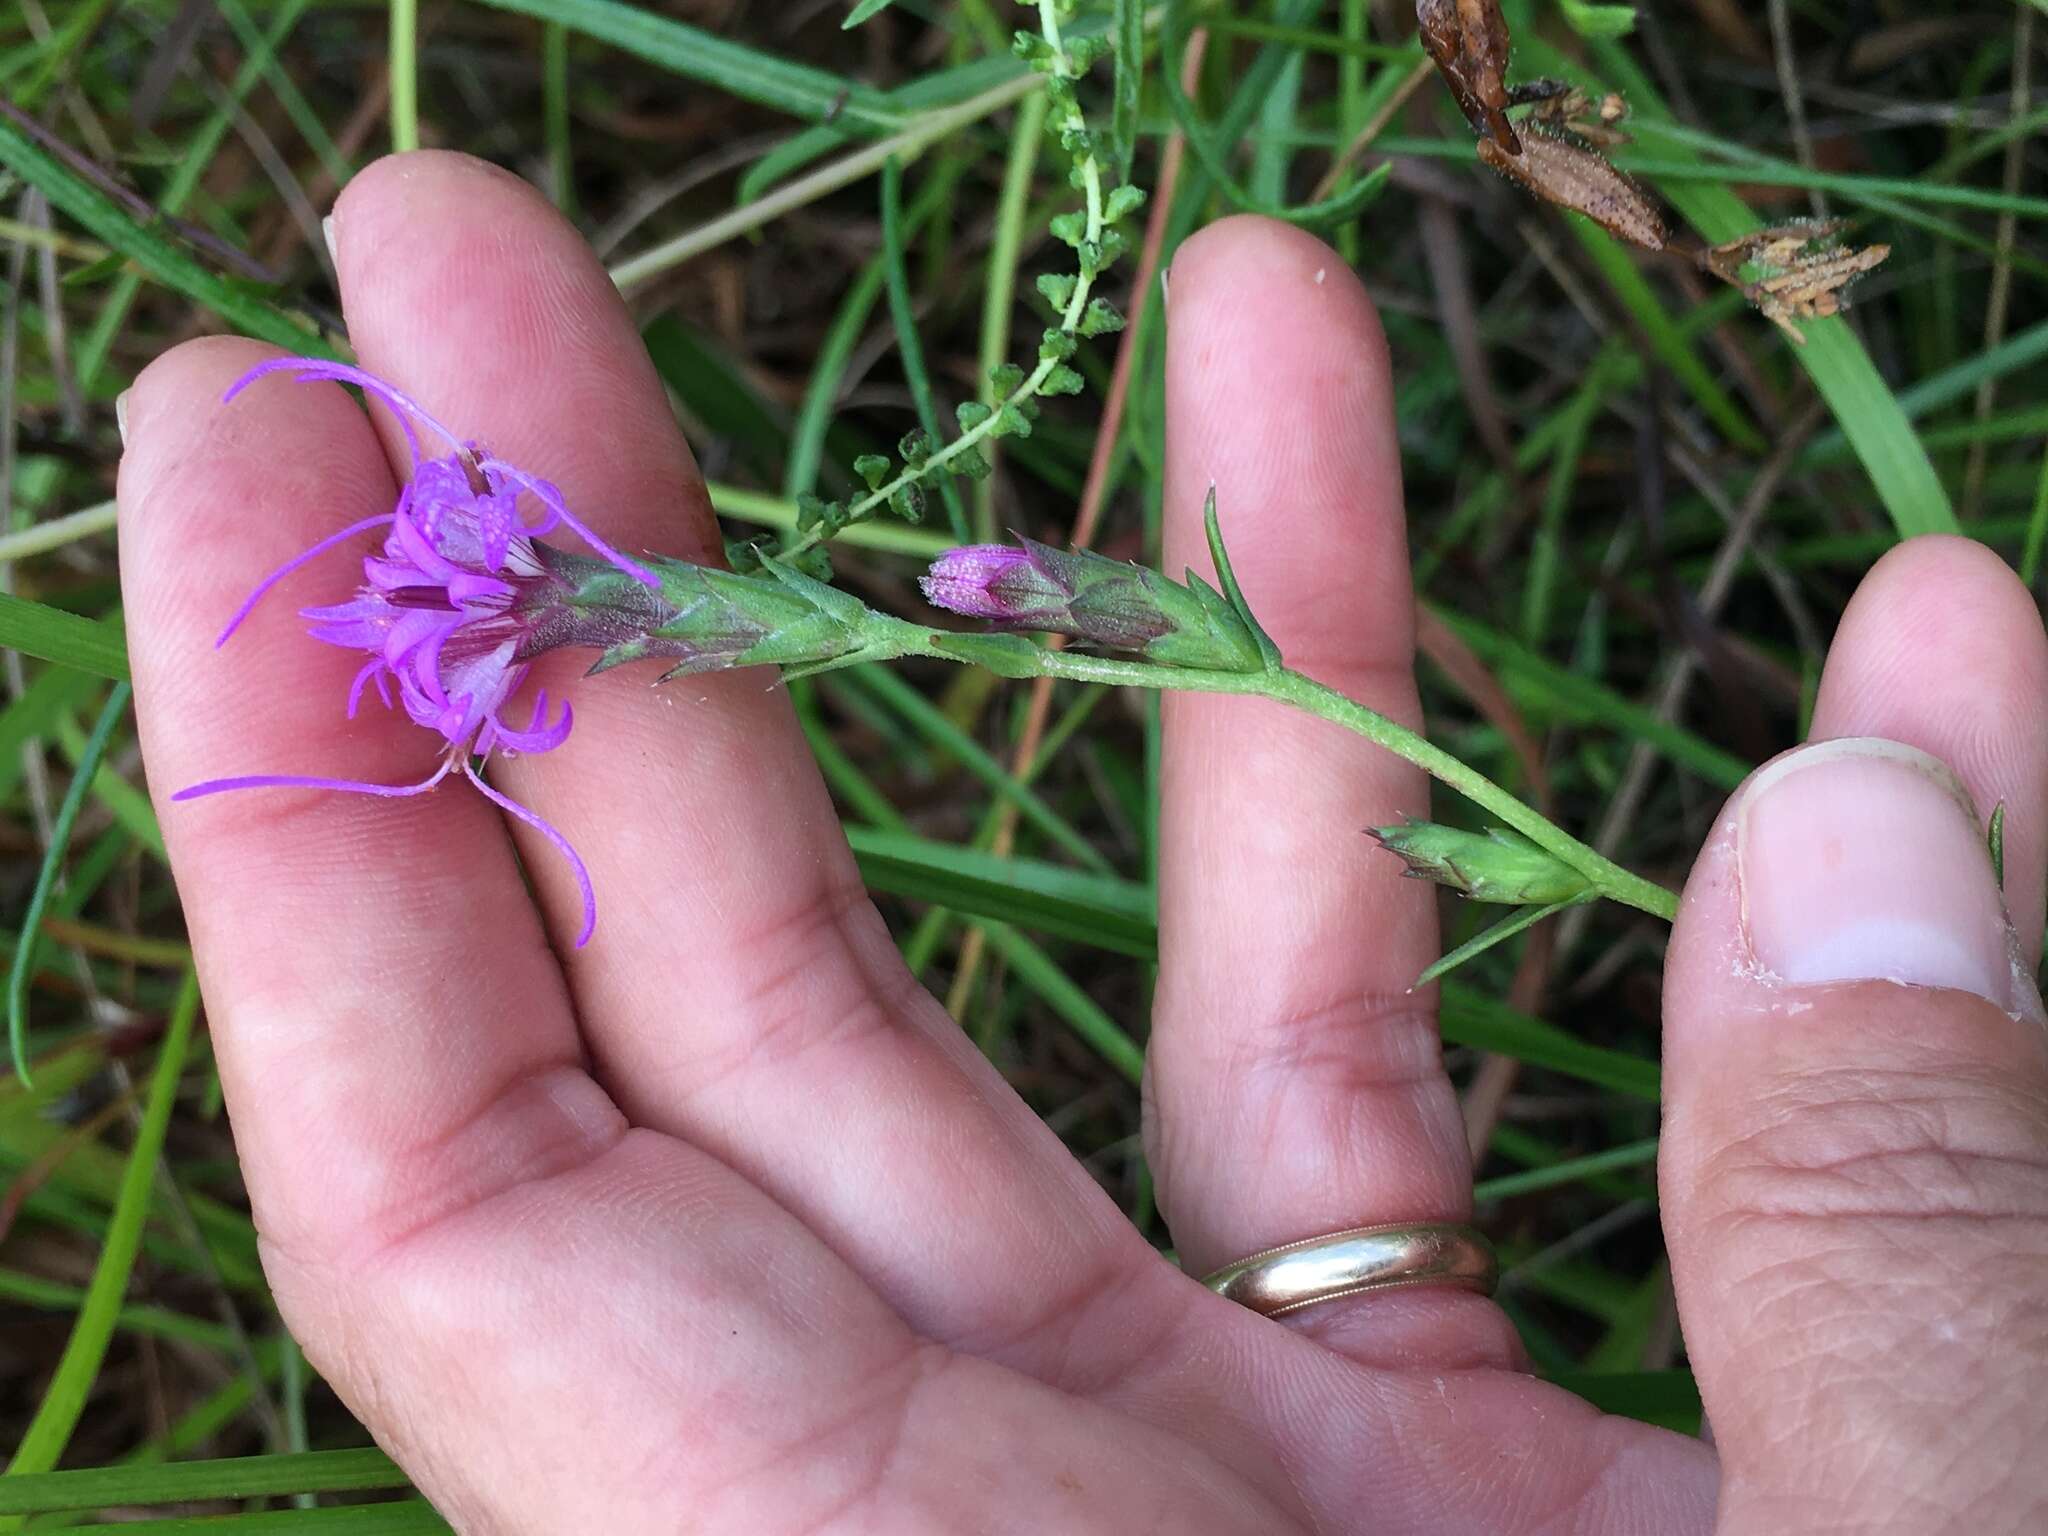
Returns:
<point x="1287" y="686"/>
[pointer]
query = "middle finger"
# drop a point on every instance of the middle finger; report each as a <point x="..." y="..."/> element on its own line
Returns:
<point x="740" y="991"/>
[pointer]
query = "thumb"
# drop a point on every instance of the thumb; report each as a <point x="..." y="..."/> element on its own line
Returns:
<point x="1853" y="1163"/>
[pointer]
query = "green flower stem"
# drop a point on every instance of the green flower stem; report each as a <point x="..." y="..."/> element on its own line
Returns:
<point x="895" y="637"/>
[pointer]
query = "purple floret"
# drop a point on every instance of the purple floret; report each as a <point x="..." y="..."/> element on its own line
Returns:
<point x="439" y="614"/>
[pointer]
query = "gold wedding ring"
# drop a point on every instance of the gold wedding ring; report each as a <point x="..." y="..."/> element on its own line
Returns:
<point x="1297" y="1275"/>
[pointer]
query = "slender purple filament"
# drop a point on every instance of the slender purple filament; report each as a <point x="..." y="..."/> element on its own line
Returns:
<point x="249" y="603"/>
<point x="302" y="781"/>
<point x="512" y="807"/>
<point x="551" y="498"/>
<point x="312" y="369"/>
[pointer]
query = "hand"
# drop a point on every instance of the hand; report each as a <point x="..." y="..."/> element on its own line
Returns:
<point x="721" y="1224"/>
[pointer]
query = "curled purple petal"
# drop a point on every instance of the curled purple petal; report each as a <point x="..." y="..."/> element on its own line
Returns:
<point x="513" y="808"/>
<point x="249" y="603"/>
<point x="372" y="669"/>
<point x="538" y="736"/>
<point x="551" y="498"/>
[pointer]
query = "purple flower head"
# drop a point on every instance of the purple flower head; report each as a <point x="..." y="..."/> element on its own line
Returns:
<point x="444" y="615"/>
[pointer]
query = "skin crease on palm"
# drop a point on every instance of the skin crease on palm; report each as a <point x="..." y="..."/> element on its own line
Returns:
<point x="720" y="1224"/>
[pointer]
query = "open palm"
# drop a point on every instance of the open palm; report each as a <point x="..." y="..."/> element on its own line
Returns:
<point x="720" y="1223"/>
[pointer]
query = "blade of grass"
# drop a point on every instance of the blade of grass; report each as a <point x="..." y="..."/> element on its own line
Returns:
<point x="1633" y="1155"/>
<point x="36" y="713"/>
<point x="237" y="1477"/>
<point x="938" y="728"/>
<point x="1107" y="914"/>
<point x="1547" y="547"/>
<point x="54" y="533"/>
<point x="1128" y="89"/>
<point x="47" y="877"/>
<point x="404" y="65"/>
<point x="747" y="506"/>
<point x="2037" y="528"/>
<point x="942" y="88"/>
<point x="1117" y="915"/>
<point x="999" y="292"/>
<point x="908" y="347"/>
<point x="765" y="79"/>
<point x="1039" y="971"/>
<point x="1669" y="1398"/>
<point x="1581" y="698"/>
<point x="161" y="258"/>
<point x="403" y="1517"/>
<point x="155" y="1322"/>
<point x="58" y="1413"/>
<point x="130" y="806"/>
<point x="924" y="131"/>
<point x="1471" y="1018"/>
<point x="554" y="74"/>
<point x="1626" y="279"/>
<point x="91" y="645"/>
<point x="1953" y="384"/>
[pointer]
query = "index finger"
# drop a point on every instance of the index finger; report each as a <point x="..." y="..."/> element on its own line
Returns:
<point x="377" y="981"/>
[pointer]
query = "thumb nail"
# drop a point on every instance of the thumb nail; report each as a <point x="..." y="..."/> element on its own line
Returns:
<point x="327" y="234"/>
<point x="1864" y="860"/>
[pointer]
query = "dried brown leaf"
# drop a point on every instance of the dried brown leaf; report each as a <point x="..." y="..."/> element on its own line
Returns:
<point x="1573" y="176"/>
<point x="1795" y="271"/>
<point x="1467" y="40"/>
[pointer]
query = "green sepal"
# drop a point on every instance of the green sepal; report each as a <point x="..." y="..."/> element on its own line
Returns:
<point x="1479" y="944"/>
<point x="1497" y="865"/>
<point x="1004" y="655"/>
<point x="1212" y="529"/>
<point x="817" y="638"/>
<point x="1207" y="634"/>
<point x="849" y="610"/>
<point x="618" y="656"/>
<point x="873" y="468"/>
<point x="971" y="414"/>
<point x="1063" y="381"/>
<point x="969" y="463"/>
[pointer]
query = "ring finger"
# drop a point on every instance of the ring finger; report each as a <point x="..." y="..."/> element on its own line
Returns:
<point x="1297" y="1083"/>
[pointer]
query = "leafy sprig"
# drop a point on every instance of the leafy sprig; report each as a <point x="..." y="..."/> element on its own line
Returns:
<point x="899" y="484"/>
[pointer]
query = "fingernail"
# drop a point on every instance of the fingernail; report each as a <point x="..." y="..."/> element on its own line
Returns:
<point x="1864" y="860"/>
<point x="327" y="233"/>
<point x="121" y="416"/>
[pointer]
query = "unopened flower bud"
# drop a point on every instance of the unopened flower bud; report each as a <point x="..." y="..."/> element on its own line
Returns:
<point x="1497" y="865"/>
<point x="1110" y="603"/>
